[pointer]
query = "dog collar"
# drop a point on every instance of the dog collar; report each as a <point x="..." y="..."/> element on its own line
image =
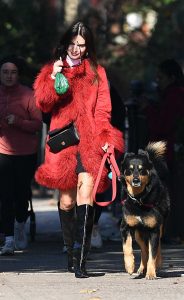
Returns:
<point x="139" y="201"/>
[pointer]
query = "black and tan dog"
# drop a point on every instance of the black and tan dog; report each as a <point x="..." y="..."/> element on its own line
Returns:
<point x="146" y="205"/>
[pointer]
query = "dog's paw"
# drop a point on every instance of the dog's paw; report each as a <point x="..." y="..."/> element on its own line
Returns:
<point x="141" y="271"/>
<point x="130" y="269"/>
<point x="151" y="275"/>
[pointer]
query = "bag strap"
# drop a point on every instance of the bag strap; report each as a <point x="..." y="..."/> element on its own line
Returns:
<point x="109" y="156"/>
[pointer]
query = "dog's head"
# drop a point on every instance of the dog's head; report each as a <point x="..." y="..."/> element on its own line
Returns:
<point x="136" y="171"/>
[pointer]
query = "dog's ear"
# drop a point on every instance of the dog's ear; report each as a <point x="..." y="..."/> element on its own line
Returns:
<point x="146" y="154"/>
<point x="126" y="156"/>
<point x="124" y="162"/>
<point x="143" y="152"/>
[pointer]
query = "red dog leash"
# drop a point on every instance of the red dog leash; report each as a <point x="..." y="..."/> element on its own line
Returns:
<point x="110" y="157"/>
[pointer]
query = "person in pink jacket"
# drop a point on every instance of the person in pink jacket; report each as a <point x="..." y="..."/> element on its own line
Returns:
<point x="20" y="121"/>
<point x="73" y="170"/>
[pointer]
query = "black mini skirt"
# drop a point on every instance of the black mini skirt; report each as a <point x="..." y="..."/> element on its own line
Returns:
<point x="79" y="167"/>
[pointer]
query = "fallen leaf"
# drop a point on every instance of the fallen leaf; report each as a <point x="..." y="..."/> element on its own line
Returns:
<point x="87" y="291"/>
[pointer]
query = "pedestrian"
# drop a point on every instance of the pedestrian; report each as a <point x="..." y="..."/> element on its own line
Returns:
<point x="20" y="122"/>
<point x="163" y="116"/>
<point x="74" y="169"/>
<point x="136" y="118"/>
<point x="165" y="120"/>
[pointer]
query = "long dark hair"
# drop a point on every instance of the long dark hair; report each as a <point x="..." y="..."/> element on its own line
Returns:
<point x="170" y="68"/>
<point x="83" y="30"/>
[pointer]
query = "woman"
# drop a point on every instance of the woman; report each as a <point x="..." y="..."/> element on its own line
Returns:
<point x="74" y="169"/>
<point x="20" y="121"/>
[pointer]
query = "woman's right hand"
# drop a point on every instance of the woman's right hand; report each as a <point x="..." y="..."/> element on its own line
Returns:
<point x="105" y="147"/>
<point x="57" y="67"/>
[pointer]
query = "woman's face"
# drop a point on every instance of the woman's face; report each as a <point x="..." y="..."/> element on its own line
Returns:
<point x="9" y="74"/>
<point x="77" y="47"/>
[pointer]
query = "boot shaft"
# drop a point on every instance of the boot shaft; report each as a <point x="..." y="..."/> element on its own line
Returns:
<point x="68" y="226"/>
<point x="85" y="218"/>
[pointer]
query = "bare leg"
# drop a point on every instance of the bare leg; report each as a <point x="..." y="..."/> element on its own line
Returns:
<point x="67" y="199"/>
<point x="84" y="189"/>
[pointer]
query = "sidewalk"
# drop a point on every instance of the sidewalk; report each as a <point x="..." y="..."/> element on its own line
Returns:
<point x="40" y="273"/>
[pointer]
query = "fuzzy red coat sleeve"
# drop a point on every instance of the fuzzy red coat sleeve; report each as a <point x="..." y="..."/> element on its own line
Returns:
<point x="46" y="96"/>
<point x="104" y="130"/>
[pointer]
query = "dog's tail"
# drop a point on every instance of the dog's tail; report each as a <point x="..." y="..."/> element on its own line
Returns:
<point x="156" y="149"/>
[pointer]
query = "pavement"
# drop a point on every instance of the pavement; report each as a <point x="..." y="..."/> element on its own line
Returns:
<point x="40" y="272"/>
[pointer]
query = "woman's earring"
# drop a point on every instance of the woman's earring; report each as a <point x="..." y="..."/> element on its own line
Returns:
<point x="86" y="54"/>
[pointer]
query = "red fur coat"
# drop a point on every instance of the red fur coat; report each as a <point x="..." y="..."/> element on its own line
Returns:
<point x="88" y="104"/>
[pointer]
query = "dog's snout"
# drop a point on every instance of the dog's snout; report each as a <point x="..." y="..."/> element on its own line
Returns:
<point x="136" y="181"/>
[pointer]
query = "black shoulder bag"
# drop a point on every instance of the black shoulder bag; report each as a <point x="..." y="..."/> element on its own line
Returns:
<point x="62" y="138"/>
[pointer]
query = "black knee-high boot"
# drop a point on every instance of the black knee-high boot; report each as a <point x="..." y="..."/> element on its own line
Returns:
<point x="68" y="224"/>
<point x="85" y="217"/>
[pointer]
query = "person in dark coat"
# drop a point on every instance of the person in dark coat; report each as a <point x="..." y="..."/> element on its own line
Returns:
<point x="165" y="120"/>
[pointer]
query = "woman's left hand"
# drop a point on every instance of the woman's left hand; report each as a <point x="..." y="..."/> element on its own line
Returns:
<point x="57" y="67"/>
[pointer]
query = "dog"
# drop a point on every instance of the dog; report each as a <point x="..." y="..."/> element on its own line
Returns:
<point x="144" y="179"/>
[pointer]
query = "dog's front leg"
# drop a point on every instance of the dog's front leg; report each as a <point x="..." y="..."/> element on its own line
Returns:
<point x="159" y="255"/>
<point x="144" y="252"/>
<point x="153" y="252"/>
<point x="128" y="252"/>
